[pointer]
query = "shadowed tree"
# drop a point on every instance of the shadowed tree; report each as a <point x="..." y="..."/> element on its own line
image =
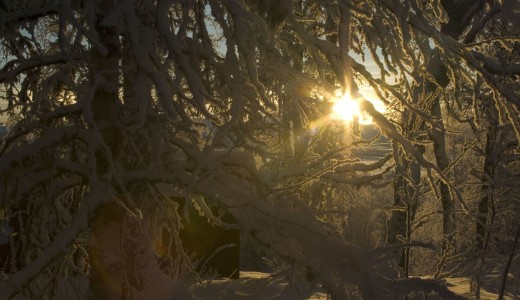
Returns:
<point x="118" y="107"/>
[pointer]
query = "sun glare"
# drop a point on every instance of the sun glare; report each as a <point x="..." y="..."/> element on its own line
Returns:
<point x="346" y="109"/>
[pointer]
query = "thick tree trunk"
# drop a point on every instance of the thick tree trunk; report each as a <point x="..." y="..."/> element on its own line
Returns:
<point x="105" y="235"/>
<point x="439" y="149"/>
<point x="436" y="68"/>
<point x="486" y="203"/>
<point x="486" y="207"/>
<point x="120" y="245"/>
<point x="460" y="14"/>
<point x="406" y="198"/>
<point x="399" y="224"/>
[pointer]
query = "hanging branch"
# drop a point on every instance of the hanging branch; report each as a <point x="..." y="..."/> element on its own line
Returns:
<point x="393" y="133"/>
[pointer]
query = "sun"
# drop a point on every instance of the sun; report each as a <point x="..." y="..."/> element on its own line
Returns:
<point x="346" y="109"/>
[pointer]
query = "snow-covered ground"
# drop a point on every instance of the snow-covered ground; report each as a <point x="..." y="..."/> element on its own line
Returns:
<point x="255" y="285"/>
<point x="461" y="286"/>
<point x="251" y="285"/>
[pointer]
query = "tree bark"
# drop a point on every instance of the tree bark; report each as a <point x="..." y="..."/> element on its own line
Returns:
<point x="459" y="18"/>
<point x="460" y="14"/>
<point x="441" y="157"/>
<point x="104" y="241"/>
<point x="486" y="203"/>
<point x="406" y="198"/>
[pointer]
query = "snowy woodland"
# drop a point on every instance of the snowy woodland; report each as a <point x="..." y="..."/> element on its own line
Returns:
<point x="119" y="116"/>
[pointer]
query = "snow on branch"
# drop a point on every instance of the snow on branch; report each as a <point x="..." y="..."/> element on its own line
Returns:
<point x="9" y="71"/>
<point x="392" y="132"/>
<point x="361" y="167"/>
<point x="479" y="23"/>
<point x="358" y="180"/>
<point x="25" y="15"/>
<point x="51" y="138"/>
<point x="19" y="280"/>
<point x="296" y="234"/>
<point x="496" y="68"/>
